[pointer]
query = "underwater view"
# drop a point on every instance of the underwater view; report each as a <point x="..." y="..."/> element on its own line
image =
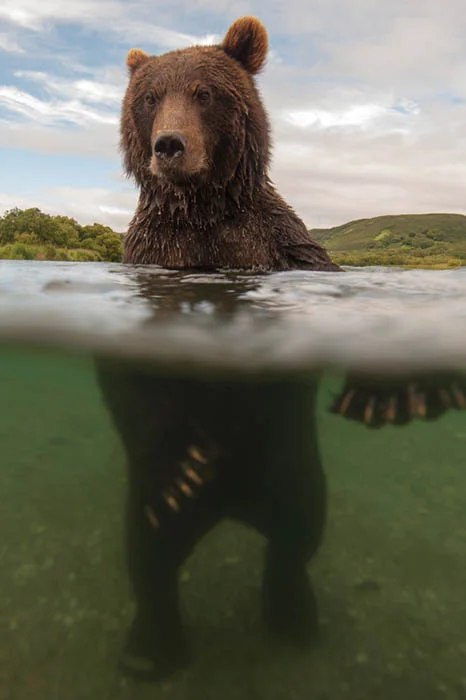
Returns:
<point x="357" y="376"/>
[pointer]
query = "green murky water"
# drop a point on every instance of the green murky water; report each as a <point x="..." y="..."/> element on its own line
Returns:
<point x="390" y="577"/>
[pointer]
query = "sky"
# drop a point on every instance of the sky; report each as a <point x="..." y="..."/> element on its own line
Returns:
<point x="367" y="100"/>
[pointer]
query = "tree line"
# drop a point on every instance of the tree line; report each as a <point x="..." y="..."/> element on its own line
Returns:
<point x="30" y="234"/>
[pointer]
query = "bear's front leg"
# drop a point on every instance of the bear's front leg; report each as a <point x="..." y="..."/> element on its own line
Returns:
<point x="156" y="548"/>
<point x="167" y="472"/>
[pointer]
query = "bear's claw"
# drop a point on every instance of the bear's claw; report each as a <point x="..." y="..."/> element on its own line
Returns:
<point x="377" y="402"/>
<point x="197" y="470"/>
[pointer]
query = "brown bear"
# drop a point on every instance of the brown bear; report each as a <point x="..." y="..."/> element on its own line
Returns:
<point x="195" y="136"/>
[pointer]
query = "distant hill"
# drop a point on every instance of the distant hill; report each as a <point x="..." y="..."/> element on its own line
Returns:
<point x="410" y="240"/>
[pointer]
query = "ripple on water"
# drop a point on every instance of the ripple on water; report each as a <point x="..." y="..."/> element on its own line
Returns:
<point x="366" y="316"/>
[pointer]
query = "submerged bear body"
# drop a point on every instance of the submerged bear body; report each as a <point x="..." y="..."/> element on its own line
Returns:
<point x="201" y="450"/>
<point x="195" y="137"/>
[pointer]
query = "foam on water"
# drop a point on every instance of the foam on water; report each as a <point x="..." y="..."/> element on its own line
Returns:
<point x="364" y="317"/>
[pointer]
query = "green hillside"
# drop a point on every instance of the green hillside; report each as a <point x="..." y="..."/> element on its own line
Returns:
<point x="410" y="240"/>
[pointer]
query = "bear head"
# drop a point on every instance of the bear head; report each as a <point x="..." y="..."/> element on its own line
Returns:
<point x="193" y="118"/>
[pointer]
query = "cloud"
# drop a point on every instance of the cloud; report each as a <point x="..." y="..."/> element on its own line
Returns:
<point x="34" y="15"/>
<point x="7" y="43"/>
<point x="104" y="93"/>
<point x="405" y="44"/>
<point x="75" y="116"/>
<point x="110" y="207"/>
<point x="52" y="112"/>
<point x="93" y="140"/>
<point x="357" y="116"/>
<point x="129" y="22"/>
<point x="113" y="208"/>
<point x="332" y="176"/>
<point x="150" y="35"/>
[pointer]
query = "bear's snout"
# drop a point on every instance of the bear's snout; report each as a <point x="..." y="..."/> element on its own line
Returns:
<point x="169" y="145"/>
<point x="178" y="148"/>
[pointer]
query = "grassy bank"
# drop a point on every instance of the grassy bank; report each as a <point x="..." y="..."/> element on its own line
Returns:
<point x="436" y="241"/>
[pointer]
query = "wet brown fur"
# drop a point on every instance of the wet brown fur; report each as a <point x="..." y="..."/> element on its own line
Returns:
<point x="215" y="207"/>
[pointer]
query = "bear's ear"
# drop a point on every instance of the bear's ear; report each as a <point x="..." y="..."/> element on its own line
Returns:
<point x="247" y="41"/>
<point x="135" y="59"/>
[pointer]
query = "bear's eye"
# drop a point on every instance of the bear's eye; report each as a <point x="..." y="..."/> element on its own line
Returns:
<point x="203" y="95"/>
<point x="149" y="99"/>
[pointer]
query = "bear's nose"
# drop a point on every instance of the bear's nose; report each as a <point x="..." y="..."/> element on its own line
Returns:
<point x="170" y="144"/>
